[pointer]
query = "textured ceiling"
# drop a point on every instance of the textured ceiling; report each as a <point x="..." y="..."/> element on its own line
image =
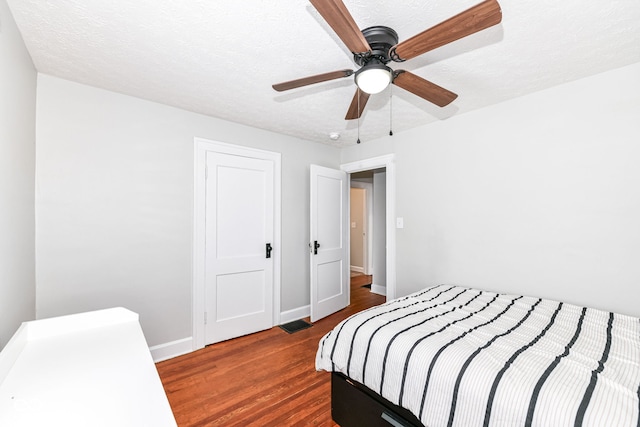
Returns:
<point x="221" y="58"/>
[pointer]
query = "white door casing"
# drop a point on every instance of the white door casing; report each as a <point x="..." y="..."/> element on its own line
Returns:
<point x="237" y="212"/>
<point x="329" y="203"/>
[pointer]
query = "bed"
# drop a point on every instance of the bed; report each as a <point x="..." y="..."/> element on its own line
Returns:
<point x="457" y="356"/>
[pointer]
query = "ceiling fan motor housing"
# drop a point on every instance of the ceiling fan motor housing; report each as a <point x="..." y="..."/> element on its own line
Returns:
<point x="380" y="39"/>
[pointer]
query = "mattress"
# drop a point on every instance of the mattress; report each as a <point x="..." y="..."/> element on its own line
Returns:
<point x="457" y="356"/>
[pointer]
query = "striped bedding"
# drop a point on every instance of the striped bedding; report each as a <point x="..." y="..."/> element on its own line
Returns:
<point x="457" y="356"/>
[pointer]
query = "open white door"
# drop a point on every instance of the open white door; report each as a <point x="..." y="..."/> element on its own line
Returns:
<point x="329" y="241"/>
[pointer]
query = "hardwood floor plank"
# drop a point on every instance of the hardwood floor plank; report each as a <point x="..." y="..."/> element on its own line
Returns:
<point x="263" y="379"/>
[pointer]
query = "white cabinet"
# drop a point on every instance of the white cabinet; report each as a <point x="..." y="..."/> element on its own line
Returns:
<point x="89" y="369"/>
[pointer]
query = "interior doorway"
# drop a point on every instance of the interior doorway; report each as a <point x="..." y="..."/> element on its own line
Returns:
<point x="379" y="172"/>
<point x="360" y="216"/>
<point x="368" y="226"/>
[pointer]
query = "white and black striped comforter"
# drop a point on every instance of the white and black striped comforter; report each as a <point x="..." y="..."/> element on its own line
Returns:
<point x="456" y="356"/>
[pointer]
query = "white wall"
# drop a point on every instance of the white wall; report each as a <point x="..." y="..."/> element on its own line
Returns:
<point x="17" y="171"/>
<point x="115" y="204"/>
<point x="379" y="232"/>
<point x="538" y="195"/>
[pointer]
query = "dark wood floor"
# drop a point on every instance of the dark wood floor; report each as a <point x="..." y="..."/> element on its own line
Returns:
<point x="263" y="379"/>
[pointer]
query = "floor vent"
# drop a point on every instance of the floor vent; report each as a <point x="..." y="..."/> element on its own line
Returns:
<point x="295" y="326"/>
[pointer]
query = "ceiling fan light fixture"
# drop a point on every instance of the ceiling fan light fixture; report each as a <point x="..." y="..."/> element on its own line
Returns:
<point x="373" y="78"/>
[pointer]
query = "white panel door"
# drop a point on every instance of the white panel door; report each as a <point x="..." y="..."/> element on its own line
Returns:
<point x="329" y="241"/>
<point x="239" y="225"/>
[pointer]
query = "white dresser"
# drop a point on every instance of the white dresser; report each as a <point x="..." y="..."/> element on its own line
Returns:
<point x="89" y="369"/>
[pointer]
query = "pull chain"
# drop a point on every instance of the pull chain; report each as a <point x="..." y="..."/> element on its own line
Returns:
<point x="390" y="110"/>
<point x="358" y="95"/>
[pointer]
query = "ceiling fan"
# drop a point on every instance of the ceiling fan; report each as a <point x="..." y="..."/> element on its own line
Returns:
<point x="376" y="46"/>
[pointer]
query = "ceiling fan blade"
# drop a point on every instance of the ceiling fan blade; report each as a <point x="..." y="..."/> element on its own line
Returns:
<point x="305" y="81"/>
<point x="423" y="88"/>
<point x="357" y="107"/>
<point x="477" y="18"/>
<point x="338" y="17"/>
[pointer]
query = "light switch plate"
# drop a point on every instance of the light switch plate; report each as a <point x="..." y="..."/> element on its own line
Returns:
<point x="399" y="222"/>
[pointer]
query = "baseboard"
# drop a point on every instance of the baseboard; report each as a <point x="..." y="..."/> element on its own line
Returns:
<point x="179" y="347"/>
<point x="357" y="269"/>
<point x="378" y="289"/>
<point x="171" y="349"/>
<point x="295" y="314"/>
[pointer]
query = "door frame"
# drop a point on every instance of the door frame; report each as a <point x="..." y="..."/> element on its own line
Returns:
<point x="387" y="162"/>
<point x="201" y="148"/>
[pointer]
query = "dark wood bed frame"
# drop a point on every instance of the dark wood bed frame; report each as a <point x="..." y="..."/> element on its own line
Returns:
<point x="355" y="405"/>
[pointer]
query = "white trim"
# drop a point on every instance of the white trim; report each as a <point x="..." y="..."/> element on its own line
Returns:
<point x="202" y="146"/>
<point x="295" y="314"/>
<point x="171" y="349"/>
<point x="388" y="162"/>
<point x="380" y="290"/>
<point x="357" y="269"/>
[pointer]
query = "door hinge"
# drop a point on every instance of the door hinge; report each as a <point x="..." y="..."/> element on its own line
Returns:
<point x="205" y="317"/>
<point x="206" y="172"/>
